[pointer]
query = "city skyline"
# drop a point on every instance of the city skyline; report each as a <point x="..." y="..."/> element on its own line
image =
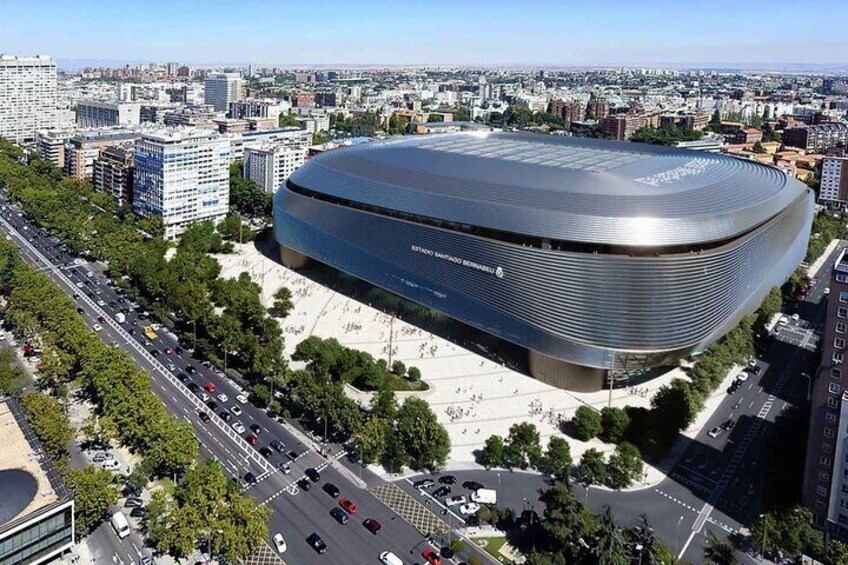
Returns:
<point x="433" y="33"/>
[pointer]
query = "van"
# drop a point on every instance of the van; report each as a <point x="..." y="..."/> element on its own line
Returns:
<point x="389" y="558"/>
<point x="120" y="524"/>
<point x="485" y="496"/>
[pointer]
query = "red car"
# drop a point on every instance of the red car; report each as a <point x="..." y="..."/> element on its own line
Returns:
<point x="348" y="505"/>
<point x="372" y="525"/>
<point x="168" y="351"/>
<point x="209" y="387"/>
<point x="431" y="557"/>
<point x="252" y="439"/>
<point x="203" y="416"/>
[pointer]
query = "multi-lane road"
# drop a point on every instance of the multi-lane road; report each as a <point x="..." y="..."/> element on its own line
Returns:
<point x="295" y="513"/>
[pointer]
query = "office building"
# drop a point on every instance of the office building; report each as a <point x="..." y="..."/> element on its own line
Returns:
<point x="834" y="181"/>
<point x="817" y="138"/>
<point x="27" y="96"/>
<point x="585" y="252"/>
<point x="221" y="89"/>
<point x="825" y="485"/>
<point x="98" y="114"/>
<point x="36" y="509"/>
<point x="270" y="165"/>
<point x="113" y="174"/>
<point x="182" y="175"/>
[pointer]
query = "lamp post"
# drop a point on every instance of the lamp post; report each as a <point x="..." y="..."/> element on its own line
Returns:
<point x="765" y="529"/>
<point x="677" y="536"/>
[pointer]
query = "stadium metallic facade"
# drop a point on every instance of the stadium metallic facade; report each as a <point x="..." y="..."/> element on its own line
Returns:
<point x="579" y="250"/>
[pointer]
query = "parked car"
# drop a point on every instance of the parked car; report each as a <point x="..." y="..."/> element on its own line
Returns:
<point x="250" y="478"/>
<point x="203" y="416"/>
<point x="431" y="557"/>
<point x="456" y="500"/>
<point x="348" y="505"/>
<point x="469" y="508"/>
<point x="423" y="483"/>
<point x="252" y="439"/>
<point x="285" y="467"/>
<point x="292" y="454"/>
<point x="238" y="427"/>
<point x="110" y="465"/>
<point x="133" y="502"/>
<point x="313" y="474"/>
<point x="472" y="485"/>
<point x="280" y="543"/>
<point x="331" y="489"/>
<point x="340" y="516"/>
<point x="226" y="416"/>
<point x="372" y="525"/>
<point x="447" y="480"/>
<point x="714" y="432"/>
<point x="442" y="491"/>
<point x="317" y="543"/>
<point x="235" y="409"/>
<point x="102" y="456"/>
<point x="304" y="483"/>
<point x="241" y="398"/>
<point x="266" y="452"/>
<point x="728" y="425"/>
<point x="223" y="397"/>
<point x="278" y="446"/>
<point x="255" y="428"/>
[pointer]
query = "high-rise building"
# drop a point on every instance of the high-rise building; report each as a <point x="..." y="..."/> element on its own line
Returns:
<point x="51" y="144"/>
<point x="293" y="137"/>
<point x="270" y="165"/>
<point x="834" y="181"/>
<point x="253" y="108"/>
<point x="113" y="174"/>
<point x="27" y="96"/>
<point x="83" y="149"/>
<point x="221" y="89"/>
<point x="99" y="114"/>
<point x="183" y="176"/>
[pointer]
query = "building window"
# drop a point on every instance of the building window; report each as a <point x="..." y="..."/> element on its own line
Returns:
<point x="840" y="327"/>
<point x="831" y="401"/>
<point x="841" y="278"/>
<point x="833" y="388"/>
<point x="835" y="373"/>
<point x="821" y="490"/>
<point x="830" y="417"/>
<point x="839" y="343"/>
<point x="843" y="296"/>
<point x="819" y="505"/>
<point x="824" y="460"/>
<point x="825" y="476"/>
<point x="837" y="357"/>
<point x="826" y="447"/>
<point x="828" y="432"/>
<point x="842" y="312"/>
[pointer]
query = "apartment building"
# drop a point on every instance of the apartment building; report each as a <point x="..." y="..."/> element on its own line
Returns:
<point x="27" y="96"/>
<point x="834" y="181"/>
<point x="83" y="149"/>
<point x="183" y="176"/>
<point x="254" y="108"/>
<point x="113" y="174"/>
<point x="825" y="487"/>
<point x="221" y="89"/>
<point x="99" y="114"/>
<point x="269" y="165"/>
<point x="816" y="138"/>
<point x="50" y="144"/>
<point x="293" y="137"/>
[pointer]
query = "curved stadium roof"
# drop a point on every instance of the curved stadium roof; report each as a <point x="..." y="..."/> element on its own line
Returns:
<point x="561" y="188"/>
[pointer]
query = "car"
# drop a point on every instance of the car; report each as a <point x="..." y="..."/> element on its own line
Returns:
<point x="202" y="395"/>
<point x="443" y="490"/>
<point x="172" y="367"/>
<point x="238" y="427"/>
<point x="266" y="452"/>
<point x="209" y="387"/>
<point x="154" y="352"/>
<point x="168" y="351"/>
<point x="423" y="483"/>
<point x="192" y="386"/>
<point x="714" y="432"/>
<point x="278" y="446"/>
<point x="292" y="454"/>
<point x="285" y="467"/>
<point x="447" y="480"/>
<point x="226" y="416"/>
<point x="755" y="370"/>
<point x="223" y="397"/>
<point x="279" y="543"/>
<point x="250" y="478"/>
<point x="138" y="512"/>
<point x="145" y="559"/>
<point x="348" y="505"/>
<point x="256" y="428"/>
<point x="331" y="489"/>
<point x="472" y="485"/>
<point x="191" y="370"/>
<point x="456" y="500"/>
<point x="252" y="439"/>
<point x="340" y="516"/>
<point x="80" y="310"/>
<point x="317" y="543"/>
<point x="212" y="404"/>
<point x="235" y="410"/>
<point x="313" y="474"/>
<point x="742" y="377"/>
<point x="203" y="416"/>
<point x="110" y="465"/>
<point x="241" y="398"/>
<point x="97" y="327"/>
<point x="734" y="386"/>
<point x="101" y="303"/>
<point x="304" y="483"/>
<point x="728" y="425"/>
<point x="113" y="304"/>
<point x="783" y="321"/>
<point x="133" y="502"/>
<point x="372" y="525"/>
<point x="431" y="557"/>
<point x="469" y="508"/>
<point x="795" y="317"/>
<point x="102" y="456"/>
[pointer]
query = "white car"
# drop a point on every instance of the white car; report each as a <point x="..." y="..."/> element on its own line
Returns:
<point x="223" y="397"/>
<point x="742" y="377"/>
<point x="172" y="367"/>
<point x="714" y="432"/>
<point x="455" y="500"/>
<point x="470" y="508"/>
<point x="97" y="327"/>
<point x="238" y="427"/>
<point x="236" y="410"/>
<point x="280" y="543"/>
<point x="101" y="303"/>
<point x="203" y="396"/>
<point x="796" y="317"/>
<point x="783" y="321"/>
<point x="80" y="284"/>
<point x="241" y="398"/>
<point x="110" y="465"/>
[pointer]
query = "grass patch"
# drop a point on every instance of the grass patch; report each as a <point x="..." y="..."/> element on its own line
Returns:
<point x="492" y="546"/>
<point x="396" y="383"/>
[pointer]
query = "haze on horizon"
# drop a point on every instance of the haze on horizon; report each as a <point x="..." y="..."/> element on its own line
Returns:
<point x="437" y="32"/>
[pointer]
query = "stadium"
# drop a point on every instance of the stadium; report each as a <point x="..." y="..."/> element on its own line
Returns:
<point x="593" y="255"/>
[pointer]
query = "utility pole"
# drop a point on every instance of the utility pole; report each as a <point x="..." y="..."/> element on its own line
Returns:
<point x="611" y="379"/>
<point x="391" y="335"/>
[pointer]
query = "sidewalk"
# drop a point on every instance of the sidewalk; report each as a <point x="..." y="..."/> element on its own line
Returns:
<point x="818" y="263"/>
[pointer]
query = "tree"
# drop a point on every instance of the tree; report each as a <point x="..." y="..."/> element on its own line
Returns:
<point x="558" y="458"/>
<point x="232" y="229"/>
<point x="566" y="522"/>
<point x="524" y="448"/>
<point x="492" y="454"/>
<point x="718" y="551"/>
<point x="625" y="466"/>
<point x="771" y="305"/>
<point x="373" y="439"/>
<point x="425" y="440"/>
<point x="288" y="121"/>
<point x="592" y="467"/>
<point x="586" y="423"/>
<point x="95" y="490"/>
<point x="50" y="425"/>
<point x="282" y="302"/>
<point x="614" y="424"/>
<point x="398" y="368"/>
<point x="610" y="548"/>
<point x="384" y="405"/>
<point x="414" y="374"/>
<point x="99" y="431"/>
<point x="758" y="147"/>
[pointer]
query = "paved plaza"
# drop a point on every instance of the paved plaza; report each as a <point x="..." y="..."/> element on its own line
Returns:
<point x="473" y="396"/>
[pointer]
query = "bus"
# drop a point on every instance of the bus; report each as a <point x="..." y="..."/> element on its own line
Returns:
<point x="148" y="331"/>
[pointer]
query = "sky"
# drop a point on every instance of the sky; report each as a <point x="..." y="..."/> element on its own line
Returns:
<point x="435" y="32"/>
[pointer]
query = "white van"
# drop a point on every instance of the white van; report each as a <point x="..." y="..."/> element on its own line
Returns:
<point x="389" y="558"/>
<point x="120" y="524"/>
<point x="485" y="496"/>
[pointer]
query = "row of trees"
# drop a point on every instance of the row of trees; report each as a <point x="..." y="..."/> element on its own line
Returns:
<point x="665" y="135"/>
<point x="522" y="449"/>
<point x="825" y="229"/>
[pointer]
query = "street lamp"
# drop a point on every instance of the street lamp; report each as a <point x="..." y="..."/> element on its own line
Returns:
<point x="677" y="536"/>
<point x="765" y="529"/>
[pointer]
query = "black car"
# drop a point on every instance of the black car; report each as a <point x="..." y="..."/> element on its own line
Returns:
<point x="423" y="483"/>
<point x="266" y="451"/>
<point x="340" y="515"/>
<point x="178" y="350"/>
<point x="728" y="425"/>
<point x="191" y="370"/>
<point x="182" y="377"/>
<point x="113" y="304"/>
<point x="250" y="478"/>
<point x="443" y="490"/>
<point x="316" y="543"/>
<point x="212" y="405"/>
<point x="304" y="484"/>
<point x="278" y="445"/>
<point x="138" y="512"/>
<point x="80" y="310"/>
<point x="154" y="352"/>
<point x="255" y="428"/>
<point x="332" y="490"/>
<point x="755" y="370"/>
<point x="132" y="502"/>
<point x="313" y="474"/>
<point x="203" y="416"/>
<point x="472" y="485"/>
<point x="292" y="454"/>
<point x="447" y="480"/>
<point x="226" y="416"/>
<point x="193" y="387"/>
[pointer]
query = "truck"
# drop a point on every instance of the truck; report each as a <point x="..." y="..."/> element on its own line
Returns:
<point x="121" y="317"/>
<point x="485" y="496"/>
<point x="120" y="524"/>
